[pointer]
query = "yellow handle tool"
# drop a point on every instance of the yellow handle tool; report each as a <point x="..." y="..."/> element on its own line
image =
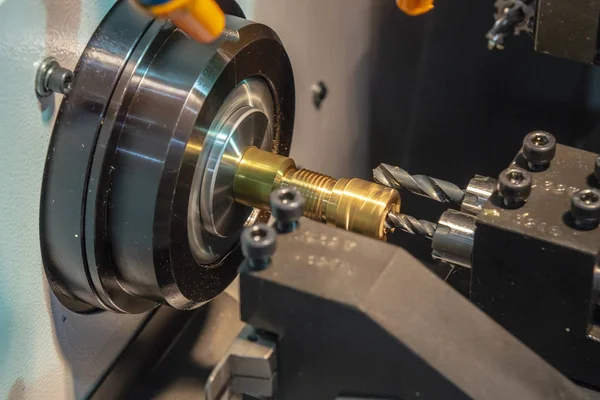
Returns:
<point x="415" y="7"/>
<point x="202" y="20"/>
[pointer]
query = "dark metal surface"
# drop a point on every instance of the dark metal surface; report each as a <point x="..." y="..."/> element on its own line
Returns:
<point x="568" y="29"/>
<point x="118" y="180"/>
<point x="533" y="271"/>
<point x="258" y="243"/>
<point x="152" y="340"/>
<point x="514" y="186"/>
<point x="70" y="155"/>
<point x="174" y="353"/>
<point x="512" y="18"/>
<point x="539" y="148"/>
<point x="585" y="208"/>
<point x="287" y="206"/>
<point x="52" y="78"/>
<point x="443" y="105"/>
<point x="423" y="185"/>
<point x="248" y="368"/>
<point x="409" y="224"/>
<point x="362" y="318"/>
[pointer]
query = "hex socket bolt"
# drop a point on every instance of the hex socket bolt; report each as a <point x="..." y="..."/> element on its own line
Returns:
<point x="585" y="208"/>
<point x="52" y="78"/>
<point x="287" y="206"/>
<point x="539" y="149"/>
<point x="258" y="244"/>
<point x="514" y="185"/>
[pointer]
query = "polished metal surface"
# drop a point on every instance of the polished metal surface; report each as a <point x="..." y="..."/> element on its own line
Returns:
<point x="221" y="215"/>
<point x="158" y="96"/>
<point x="453" y="239"/>
<point x="244" y="120"/>
<point x="423" y="185"/>
<point x="479" y="190"/>
<point x="249" y="367"/>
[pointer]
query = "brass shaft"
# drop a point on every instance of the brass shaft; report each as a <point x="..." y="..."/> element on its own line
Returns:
<point x="352" y="204"/>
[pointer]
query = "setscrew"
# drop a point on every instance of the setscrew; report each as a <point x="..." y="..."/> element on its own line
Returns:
<point x="514" y="185"/>
<point x="585" y="208"/>
<point x="52" y="78"/>
<point x="287" y="206"/>
<point x="319" y="93"/>
<point x="258" y="244"/>
<point x="539" y="149"/>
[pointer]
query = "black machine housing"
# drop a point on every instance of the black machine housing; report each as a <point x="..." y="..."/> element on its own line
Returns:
<point x="534" y="272"/>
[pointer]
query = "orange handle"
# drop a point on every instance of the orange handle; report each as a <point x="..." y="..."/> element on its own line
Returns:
<point x="415" y="7"/>
<point x="203" y="20"/>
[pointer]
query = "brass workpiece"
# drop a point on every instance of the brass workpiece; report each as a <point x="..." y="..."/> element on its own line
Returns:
<point x="352" y="204"/>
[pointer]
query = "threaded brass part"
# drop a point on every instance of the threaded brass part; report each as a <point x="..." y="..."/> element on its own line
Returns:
<point x="352" y="204"/>
<point x="315" y="187"/>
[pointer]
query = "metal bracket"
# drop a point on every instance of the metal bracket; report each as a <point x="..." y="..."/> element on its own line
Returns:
<point x="249" y="367"/>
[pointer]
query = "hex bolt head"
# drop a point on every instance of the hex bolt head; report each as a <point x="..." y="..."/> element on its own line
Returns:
<point x="514" y="185"/>
<point x="319" y="93"/>
<point x="597" y="168"/>
<point x="287" y="206"/>
<point x="585" y="208"/>
<point x="52" y="78"/>
<point x="539" y="149"/>
<point x="258" y="244"/>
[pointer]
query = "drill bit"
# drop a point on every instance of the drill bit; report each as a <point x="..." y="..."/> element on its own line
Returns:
<point x="412" y="225"/>
<point x="512" y="17"/>
<point x="423" y="185"/>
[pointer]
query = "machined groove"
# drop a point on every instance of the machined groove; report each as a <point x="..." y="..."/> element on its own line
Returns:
<point x="315" y="187"/>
